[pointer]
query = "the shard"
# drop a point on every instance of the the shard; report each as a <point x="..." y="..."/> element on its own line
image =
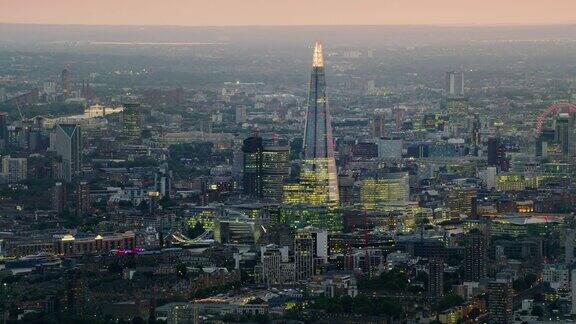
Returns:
<point x="319" y="166"/>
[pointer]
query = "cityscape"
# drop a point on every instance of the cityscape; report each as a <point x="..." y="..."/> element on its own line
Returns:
<point x="287" y="174"/>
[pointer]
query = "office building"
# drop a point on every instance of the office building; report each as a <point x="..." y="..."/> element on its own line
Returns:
<point x="240" y="114"/>
<point x="500" y="308"/>
<point x="68" y="145"/>
<point x="497" y="154"/>
<point x="320" y="242"/>
<point x="389" y="148"/>
<point x="436" y="277"/>
<point x="4" y="138"/>
<point x="573" y="290"/>
<point x="234" y="232"/>
<point x="59" y="197"/>
<point x="462" y="201"/>
<point x="454" y="86"/>
<point x="83" y="195"/>
<point x="388" y="188"/>
<point x="569" y="237"/>
<point x="275" y="266"/>
<point x="378" y="124"/>
<point x="132" y="122"/>
<point x="304" y="255"/>
<point x="564" y="136"/>
<point x="265" y="168"/>
<point x="14" y="169"/>
<point x="557" y="275"/>
<point x="475" y="256"/>
<point x="252" y="166"/>
<point x="319" y="165"/>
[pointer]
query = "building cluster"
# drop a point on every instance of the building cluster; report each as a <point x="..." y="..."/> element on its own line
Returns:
<point x="247" y="202"/>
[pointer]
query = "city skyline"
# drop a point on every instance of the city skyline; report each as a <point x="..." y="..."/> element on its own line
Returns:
<point x="249" y="174"/>
<point x="299" y="12"/>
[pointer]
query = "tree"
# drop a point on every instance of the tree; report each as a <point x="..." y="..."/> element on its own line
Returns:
<point x="449" y="301"/>
<point x="138" y="320"/>
<point x="537" y="310"/>
<point x="181" y="270"/>
<point x="196" y="230"/>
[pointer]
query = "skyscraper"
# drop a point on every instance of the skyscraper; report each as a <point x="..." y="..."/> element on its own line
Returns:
<point x="304" y="255"/>
<point x="131" y="122"/>
<point x="275" y="170"/>
<point x="454" y="84"/>
<point x="496" y="153"/>
<point x="563" y="133"/>
<point x="266" y="167"/>
<point x="378" y="124"/>
<point x="475" y="256"/>
<point x="59" y="197"/>
<point x="3" y="131"/>
<point x="500" y="295"/>
<point x="436" y="277"/>
<point x="252" y="171"/>
<point x="83" y="195"/>
<point x="68" y="145"/>
<point x="319" y="166"/>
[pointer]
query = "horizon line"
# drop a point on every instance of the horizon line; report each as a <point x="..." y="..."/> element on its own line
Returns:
<point x="473" y="25"/>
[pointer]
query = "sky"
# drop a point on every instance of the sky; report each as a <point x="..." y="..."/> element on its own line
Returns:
<point x="289" y="12"/>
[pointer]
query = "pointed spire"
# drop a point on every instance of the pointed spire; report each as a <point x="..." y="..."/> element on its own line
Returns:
<point x="318" y="59"/>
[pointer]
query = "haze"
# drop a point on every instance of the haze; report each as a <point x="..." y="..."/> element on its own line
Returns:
<point x="293" y="12"/>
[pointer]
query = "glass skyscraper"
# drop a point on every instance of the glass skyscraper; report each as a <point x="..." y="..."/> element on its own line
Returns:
<point x="318" y="172"/>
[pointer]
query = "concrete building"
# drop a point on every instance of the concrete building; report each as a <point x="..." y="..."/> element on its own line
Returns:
<point x="14" y="169"/>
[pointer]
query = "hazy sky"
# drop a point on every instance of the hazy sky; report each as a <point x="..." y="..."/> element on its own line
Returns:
<point x="288" y="12"/>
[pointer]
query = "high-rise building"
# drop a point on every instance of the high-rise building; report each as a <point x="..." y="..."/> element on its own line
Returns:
<point x="65" y="78"/>
<point x="475" y="256"/>
<point x="266" y="167"/>
<point x="436" y="277"/>
<point x="275" y="170"/>
<point x="271" y="266"/>
<point x="500" y="294"/>
<point x="475" y="139"/>
<point x="546" y="138"/>
<point x="252" y="166"/>
<point x="132" y="122"/>
<point x="83" y="195"/>
<point x="4" y="139"/>
<point x="388" y="188"/>
<point x="59" y="197"/>
<point x="240" y="114"/>
<point x="454" y="86"/>
<point x="573" y="291"/>
<point x="275" y="266"/>
<point x="569" y="237"/>
<point x="496" y="154"/>
<point x="319" y="166"/>
<point x="75" y="292"/>
<point x="563" y="133"/>
<point x="14" y="169"/>
<point x="163" y="180"/>
<point x="389" y="148"/>
<point x="68" y="145"/>
<point x="320" y="239"/>
<point x="462" y="201"/>
<point x="378" y="124"/>
<point x="303" y="255"/>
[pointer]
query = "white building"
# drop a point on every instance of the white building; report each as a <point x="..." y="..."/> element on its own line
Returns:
<point x="557" y="275"/>
<point x="389" y="148"/>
